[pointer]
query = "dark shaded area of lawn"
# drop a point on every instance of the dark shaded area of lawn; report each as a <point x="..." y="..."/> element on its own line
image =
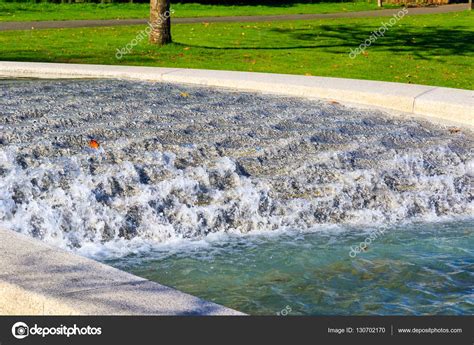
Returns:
<point x="283" y="3"/>
<point x="424" y="42"/>
<point x="30" y="11"/>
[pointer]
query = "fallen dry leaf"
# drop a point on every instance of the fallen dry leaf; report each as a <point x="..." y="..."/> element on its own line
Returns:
<point x="454" y="130"/>
<point x="94" y="144"/>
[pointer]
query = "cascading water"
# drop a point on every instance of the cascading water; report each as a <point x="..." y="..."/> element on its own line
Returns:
<point x="182" y="162"/>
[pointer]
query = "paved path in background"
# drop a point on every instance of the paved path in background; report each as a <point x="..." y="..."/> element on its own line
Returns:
<point x="234" y="19"/>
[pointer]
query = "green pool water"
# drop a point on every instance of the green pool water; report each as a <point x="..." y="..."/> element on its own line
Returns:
<point x="417" y="269"/>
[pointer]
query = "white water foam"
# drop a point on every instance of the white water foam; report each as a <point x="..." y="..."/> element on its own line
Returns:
<point x="306" y="168"/>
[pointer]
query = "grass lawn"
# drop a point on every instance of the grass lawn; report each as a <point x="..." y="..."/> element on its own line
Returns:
<point x="12" y="11"/>
<point x="425" y="49"/>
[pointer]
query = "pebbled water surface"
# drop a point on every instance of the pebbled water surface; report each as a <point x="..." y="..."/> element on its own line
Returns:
<point x="181" y="167"/>
<point x="181" y="162"/>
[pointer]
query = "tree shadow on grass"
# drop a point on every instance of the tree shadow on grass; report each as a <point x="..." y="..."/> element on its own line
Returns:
<point x="424" y="42"/>
<point x="273" y="3"/>
<point x="29" y="55"/>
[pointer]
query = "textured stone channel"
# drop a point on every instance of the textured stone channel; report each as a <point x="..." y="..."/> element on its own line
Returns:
<point x="181" y="162"/>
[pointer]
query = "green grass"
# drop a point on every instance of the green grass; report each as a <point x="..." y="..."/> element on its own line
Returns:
<point x="425" y="49"/>
<point x="12" y="11"/>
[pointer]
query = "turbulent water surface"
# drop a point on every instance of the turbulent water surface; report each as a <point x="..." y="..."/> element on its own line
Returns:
<point x="182" y="163"/>
<point x="179" y="162"/>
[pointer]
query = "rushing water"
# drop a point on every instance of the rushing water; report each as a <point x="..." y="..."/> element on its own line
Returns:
<point x="183" y="164"/>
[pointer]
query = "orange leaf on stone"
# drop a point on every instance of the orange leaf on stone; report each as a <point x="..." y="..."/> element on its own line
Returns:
<point x="94" y="144"/>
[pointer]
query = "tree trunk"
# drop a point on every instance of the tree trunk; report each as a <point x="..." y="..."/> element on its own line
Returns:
<point x="471" y="5"/>
<point x="160" y="22"/>
<point x="379" y="3"/>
